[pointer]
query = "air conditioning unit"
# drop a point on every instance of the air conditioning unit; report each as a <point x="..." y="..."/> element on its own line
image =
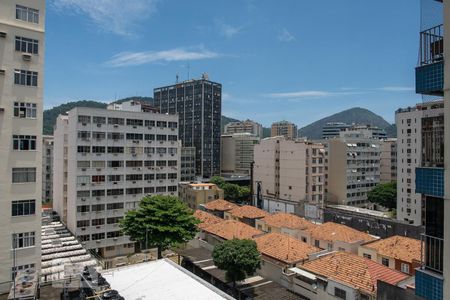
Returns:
<point x="83" y="228"/>
<point x="149" y="181"/>
<point x="115" y="196"/>
<point x="83" y="169"/>
<point x="134" y="181"/>
<point x="149" y="127"/>
<point x="83" y="153"/>
<point x="134" y="154"/>
<point x="115" y="126"/>
<point x="114" y="182"/>
<point x="2" y="34"/>
<point x="83" y="199"/>
<point x="98" y="169"/>
<point x="98" y="227"/>
<point x="115" y="239"/>
<point x="84" y="124"/>
<point x="139" y="169"/>
<point x="149" y="141"/>
<point x="83" y="184"/>
<point x="2" y="72"/>
<point x="26" y="56"/>
<point x="135" y="126"/>
<point x="98" y="198"/>
<point x="99" y="125"/>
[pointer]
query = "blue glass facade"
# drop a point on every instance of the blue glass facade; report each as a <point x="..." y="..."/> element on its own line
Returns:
<point x="430" y="181"/>
<point x="428" y="286"/>
<point x="430" y="79"/>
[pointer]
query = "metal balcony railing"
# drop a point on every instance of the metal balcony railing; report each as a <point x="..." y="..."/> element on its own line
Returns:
<point x="432" y="253"/>
<point x="431" y="45"/>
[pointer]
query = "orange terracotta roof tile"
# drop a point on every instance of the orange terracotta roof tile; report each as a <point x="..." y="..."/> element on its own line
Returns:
<point x="249" y="212"/>
<point x="284" y="220"/>
<point x="398" y="247"/>
<point x="202" y="184"/>
<point x="284" y="247"/>
<point x="352" y="270"/>
<point x="337" y="232"/>
<point x="206" y="218"/>
<point x="220" y="205"/>
<point x="230" y="229"/>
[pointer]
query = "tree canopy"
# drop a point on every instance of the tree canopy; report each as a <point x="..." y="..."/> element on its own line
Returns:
<point x="160" y="221"/>
<point x="384" y="194"/>
<point x="232" y="191"/>
<point x="239" y="259"/>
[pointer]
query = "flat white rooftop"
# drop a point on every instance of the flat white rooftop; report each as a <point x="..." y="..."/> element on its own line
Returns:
<point x="160" y="279"/>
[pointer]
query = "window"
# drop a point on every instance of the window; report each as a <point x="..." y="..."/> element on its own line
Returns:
<point x="98" y="149"/>
<point x="149" y="176"/>
<point x="134" y="122"/>
<point x="98" y="178"/>
<point x="115" y="192"/>
<point x="113" y="234"/>
<point x="23" y="240"/>
<point x="385" y="261"/>
<point x="149" y="137"/>
<point x="98" y="207"/>
<point x="172" y="175"/>
<point x="98" y="193"/>
<point x="317" y="243"/>
<point x="134" y="136"/>
<point x="404" y="268"/>
<point x="25" y="110"/>
<point x="161" y="123"/>
<point x="98" y="163"/>
<point x="82" y="208"/>
<point x="113" y="220"/>
<point x="98" y="120"/>
<point x="27" y="14"/>
<point x="172" y="188"/>
<point x="98" y="222"/>
<point x="98" y="236"/>
<point x="84" y="119"/>
<point x="364" y="297"/>
<point x="83" y="164"/>
<point x="83" y="194"/>
<point x="21" y="175"/>
<point x="115" y="136"/>
<point x="27" y="45"/>
<point x="82" y="180"/>
<point x="133" y="177"/>
<point x="115" y="163"/>
<point x="368" y="256"/>
<point x="149" y="190"/>
<point x="83" y="223"/>
<point x="98" y="135"/>
<point x="133" y="163"/>
<point x="24" y="77"/>
<point x="341" y="294"/>
<point x="150" y="123"/>
<point x="23" y="208"/>
<point x="84" y="237"/>
<point x="115" y="150"/>
<point x="24" y="142"/>
<point x="118" y="205"/>
<point x="116" y="121"/>
<point x="172" y="163"/>
<point x="84" y="149"/>
<point x="114" y="178"/>
<point x="161" y="137"/>
<point x="161" y="189"/>
<point x="134" y="191"/>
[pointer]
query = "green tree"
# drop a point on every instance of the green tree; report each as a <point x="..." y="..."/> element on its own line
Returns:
<point x="238" y="258"/>
<point x="384" y="194"/>
<point x="245" y="193"/>
<point x="231" y="191"/>
<point x="217" y="180"/>
<point x="160" y="221"/>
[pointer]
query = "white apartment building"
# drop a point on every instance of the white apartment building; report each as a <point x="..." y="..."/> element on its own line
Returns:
<point x="105" y="161"/>
<point x="353" y="167"/>
<point x="47" y="168"/>
<point x="237" y="153"/>
<point x="388" y="160"/>
<point x="247" y="126"/>
<point x="21" y="102"/>
<point x="409" y="153"/>
<point x="289" y="175"/>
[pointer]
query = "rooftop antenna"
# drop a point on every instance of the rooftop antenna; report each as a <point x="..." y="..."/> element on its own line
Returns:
<point x="188" y="71"/>
<point x="176" y="78"/>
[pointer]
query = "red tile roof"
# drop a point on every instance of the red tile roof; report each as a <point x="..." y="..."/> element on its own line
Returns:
<point x="337" y="232"/>
<point x="352" y="270"/>
<point x="397" y="247"/>
<point x="284" y="247"/>
<point x="220" y="205"/>
<point x="249" y="212"/>
<point x="230" y="229"/>
<point x="206" y="218"/>
<point x="284" y="220"/>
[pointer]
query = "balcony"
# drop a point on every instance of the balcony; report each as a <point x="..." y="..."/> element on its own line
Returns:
<point x="430" y="72"/>
<point x="430" y="181"/>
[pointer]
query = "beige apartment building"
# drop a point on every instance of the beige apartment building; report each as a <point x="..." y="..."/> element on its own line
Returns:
<point x="284" y="128"/>
<point x="47" y="168"/>
<point x="247" y="126"/>
<point x="22" y="48"/>
<point x="105" y="162"/>
<point x="196" y="195"/>
<point x="353" y="167"/>
<point x="237" y="153"/>
<point x="289" y="176"/>
<point x="187" y="164"/>
<point x="388" y="160"/>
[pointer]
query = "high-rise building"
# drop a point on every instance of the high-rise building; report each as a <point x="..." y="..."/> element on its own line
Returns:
<point x="369" y="131"/>
<point x="353" y="167"/>
<point x="333" y="129"/>
<point x="289" y="175"/>
<point x="284" y="128"/>
<point x="433" y="277"/>
<point x="187" y="164"/>
<point x="22" y="28"/>
<point x="105" y="161"/>
<point x="247" y="126"/>
<point x="237" y="153"/>
<point x="198" y="104"/>
<point x="388" y="160"/>
<point x="47" y="168"/>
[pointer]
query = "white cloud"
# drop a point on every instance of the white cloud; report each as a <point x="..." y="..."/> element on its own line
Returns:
<point x="228" y="30"/>
<point x="302" y="94"/>
<point x="117" y="16"/>
<point x="178" y="54"/>
<point x="397" y="88"/>
<point x="286" y="36"/>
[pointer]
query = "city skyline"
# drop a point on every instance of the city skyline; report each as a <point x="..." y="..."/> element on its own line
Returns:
<point x="143" y="45"/>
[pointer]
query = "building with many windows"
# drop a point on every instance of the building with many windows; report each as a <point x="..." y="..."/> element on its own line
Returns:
<point x="105" y="161"/>
<point x="187" y="168"/>
<point x="388" y="160"/>
<point x="353" y="167"/>
<point x="333" y="129"/>
<point x="247" y="126"/>
<point x="284" y="128"/>
<point x="47" y="168"/>
<point x="198" y="104"/>
<point x="196" y="195"/>
<point x="288" y="176"/>
<point x="22" y="28"/>
<point x="237" y="153"/>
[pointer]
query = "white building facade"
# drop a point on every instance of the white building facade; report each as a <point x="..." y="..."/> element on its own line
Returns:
<point x="21" y="103"/>
<point x="105" y="161"/>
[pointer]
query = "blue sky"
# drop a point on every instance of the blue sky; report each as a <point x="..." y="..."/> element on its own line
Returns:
<point x="292" y="59"/>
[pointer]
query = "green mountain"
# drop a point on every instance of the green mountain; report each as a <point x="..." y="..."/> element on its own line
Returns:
<point x="225" y="121"/>
<point x="51" y="114"/>
<point x="356" y="115"/>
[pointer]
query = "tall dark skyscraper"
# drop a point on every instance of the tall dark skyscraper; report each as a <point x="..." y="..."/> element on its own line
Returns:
<point x="199" y="106"/>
